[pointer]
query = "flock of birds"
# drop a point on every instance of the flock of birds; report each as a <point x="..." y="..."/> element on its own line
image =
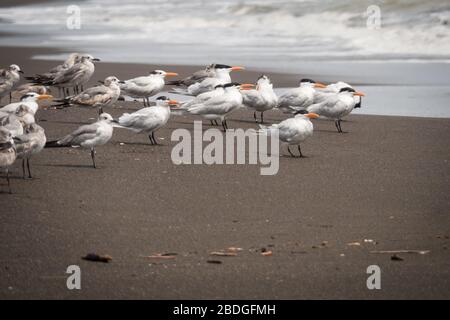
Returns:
<point x="214" y="97"/>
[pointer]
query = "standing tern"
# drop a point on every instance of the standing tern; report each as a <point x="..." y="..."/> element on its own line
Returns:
<point x="147" y="86"/>
<point x="321" y="95"/>
<point x="220" y="106"/>
<point x="7" y="152"/>
<point x="87" y="136"/>
<point x="29" y="144"/>
<point x="9" y="78"/>
<point x="221" y="76"/>
<point x="30" y="100"/>
<point x="293" y="131"/>
<point x="195" y="77"/>
<point x="299" y="98"/>
<point x="147" y="120"/>
<point x="98" y="96"/>
<point x="261" y="99"/>
<point x="336" y="106"/>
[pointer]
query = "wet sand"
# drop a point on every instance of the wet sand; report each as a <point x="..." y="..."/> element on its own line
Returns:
<point x="386" y="180"/>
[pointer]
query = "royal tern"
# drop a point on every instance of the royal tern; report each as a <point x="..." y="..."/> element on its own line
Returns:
<point x="147" y="120"/>
<point x="321" y="95"/>
<point x="219" y="106"/>
<point x="23" y="89"/>
<point x="98" y="96"/>
<point x="87" y="136"/>
<point x="221" y="75"/>
<point x="30" y="143"/>
<point x="30" y="100"/>
<point x="147" y="86"/>
<point x="299" y="98"/>
<point x="195" y="77"/>
<point x="261" y="99"/>
<point x="77" y="75"/>
<point x="201" y="98"/>
<point x="9" y="78"/>
<point x="15" y="122"/>
<point x="293" y="131"/>
<point x="336" y="106"/>
<point x="7" y="152"/>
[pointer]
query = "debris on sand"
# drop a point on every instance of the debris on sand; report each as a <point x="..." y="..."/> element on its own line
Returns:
<point x="166" y="256"/>
<point x="266" y="252"/>
<point x="401" y="251"/>
<point x="97" y="257"/>
<point x="223" y="254"/>
<point x="214" y="261"/>
<point x="356" y="244"/>
<point x="395" y="257"/>
<point x="324" y="244"/>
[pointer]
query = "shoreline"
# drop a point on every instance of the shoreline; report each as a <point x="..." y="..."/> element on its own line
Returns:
<point x="384" y="181"/>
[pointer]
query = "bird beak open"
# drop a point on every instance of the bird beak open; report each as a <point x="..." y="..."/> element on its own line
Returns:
<point x="312" y="115"/>
<point x="171" y="74"/>
<point x="246" y="86"/>
<point x="173" y="102"/>
<point x="359" y="94"/>
<point x="96" y="59"/>
<point x="237" y="68"/>
<point x="319" y="85"/>
<point x="45" y="96"/>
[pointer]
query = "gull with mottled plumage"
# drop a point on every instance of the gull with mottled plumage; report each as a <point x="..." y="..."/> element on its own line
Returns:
<point x="7" y="152"/>
<point x="9" y="78"/>
<point x="30" y="143"/>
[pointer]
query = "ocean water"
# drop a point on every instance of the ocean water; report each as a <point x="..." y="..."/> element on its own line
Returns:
<point x="398" y="49"/>
<point x="257" y="33"/>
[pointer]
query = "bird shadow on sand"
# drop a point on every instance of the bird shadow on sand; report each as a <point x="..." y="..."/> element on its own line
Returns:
<point x="147" y="144"/>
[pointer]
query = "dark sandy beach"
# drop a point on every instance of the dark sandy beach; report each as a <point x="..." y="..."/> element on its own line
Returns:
<point x="385" y="181"/>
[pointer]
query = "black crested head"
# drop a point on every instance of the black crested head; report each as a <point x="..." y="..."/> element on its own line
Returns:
<point x="301" y="112"/>
<point x="26" y="95"/>
<point x="231" y="84"/>
<point x="307" y="80"/>
<point x="163" y="98"/>
<point x="221" y="66"/>
<point x="347" y="89"/>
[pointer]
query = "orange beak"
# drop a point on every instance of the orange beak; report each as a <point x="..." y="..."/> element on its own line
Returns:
<point x="359" y="94"/>
<point x="237" y="68"/>
<point x="173" y="102"/>
<point x="246" y="86"/>
<point x="171" y="74"/>
<point x="312" y="115"/>
<point x="319" y="85"/>
<point x="45" y="96"/>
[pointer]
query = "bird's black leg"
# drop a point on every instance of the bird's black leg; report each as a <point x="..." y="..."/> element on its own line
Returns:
<point x="148" y="101"/>
<point x="300" y="151"/>
<point x="217" y="123"/>
<point x="254" y="116"/>
<point x="340" y="128"/>
<point x="262" y="117"/>
<point x="336" y="123"/>
<point x="23" y="167"/>
<point x="7" y="179"/>
<point x="29" y="171"/>
<point x="290" y="152"/>
<point x="154" y="139"/>
<point x="93" y="157"/>
<point x="223" y="126"/>
<point x="143" y="100"/>
<point x="82" y="89"/>
<point x="226" y="124"/>
<point x="212" y="122"/>
<point x="10" y="96"/>
<point x="68" y="92"/>
<point x="151" y="139"/>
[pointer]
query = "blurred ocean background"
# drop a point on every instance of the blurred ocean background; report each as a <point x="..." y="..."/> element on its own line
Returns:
<point x="336" y="39"/>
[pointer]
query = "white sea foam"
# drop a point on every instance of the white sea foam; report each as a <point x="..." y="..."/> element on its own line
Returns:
<point x="264" y="30"/>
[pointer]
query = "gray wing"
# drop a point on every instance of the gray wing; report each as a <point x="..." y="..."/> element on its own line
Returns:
<point x="69" y="74"/>
<point x="80" y="135"/>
